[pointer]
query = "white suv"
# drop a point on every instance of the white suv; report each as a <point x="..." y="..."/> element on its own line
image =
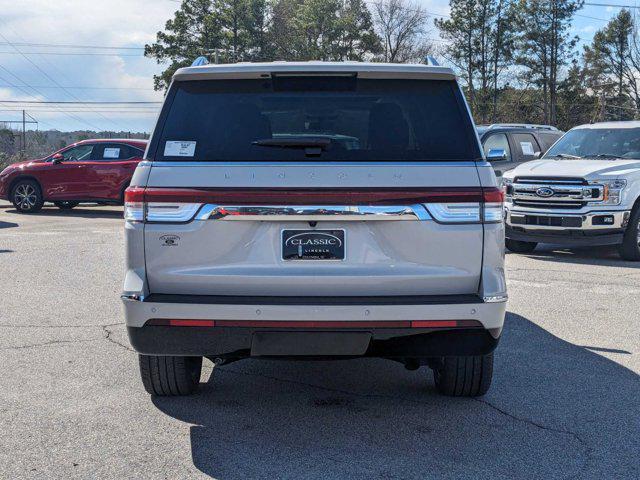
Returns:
<point x="314" y="210"/>
<point x="584" y="191"/>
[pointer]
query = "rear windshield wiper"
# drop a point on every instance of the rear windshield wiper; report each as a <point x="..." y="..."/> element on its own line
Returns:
<point x="311" y="146"/>
<point x="563" y="155"/>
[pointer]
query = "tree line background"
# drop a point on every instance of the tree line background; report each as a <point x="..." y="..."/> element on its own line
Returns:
<point x="517" y="59"/>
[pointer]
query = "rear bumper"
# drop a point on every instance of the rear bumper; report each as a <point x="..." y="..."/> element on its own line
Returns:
<point x="237" y="342"/>
<point x="328" y="341"/>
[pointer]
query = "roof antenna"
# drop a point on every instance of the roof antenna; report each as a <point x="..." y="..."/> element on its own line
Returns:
<point x="198" y="62"/>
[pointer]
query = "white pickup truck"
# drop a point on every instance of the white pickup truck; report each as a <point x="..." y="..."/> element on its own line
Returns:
<point x="584" y="191"/>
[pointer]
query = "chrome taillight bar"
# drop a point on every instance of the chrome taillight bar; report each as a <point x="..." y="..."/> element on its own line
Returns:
<point x="448" y="205"/>
<point x="313" y="213"/>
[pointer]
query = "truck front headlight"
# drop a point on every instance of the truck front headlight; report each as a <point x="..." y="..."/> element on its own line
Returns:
<point x="612" y="191"/>
<point x="507" y="187"/>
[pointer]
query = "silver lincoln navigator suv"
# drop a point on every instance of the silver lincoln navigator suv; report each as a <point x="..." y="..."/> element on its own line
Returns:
<point x="314" y="211"/>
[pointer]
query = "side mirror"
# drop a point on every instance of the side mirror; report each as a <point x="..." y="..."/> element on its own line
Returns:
<point x="57" y="158"/>
<point x="497" y="155"/>
<point x="537" y="154"/>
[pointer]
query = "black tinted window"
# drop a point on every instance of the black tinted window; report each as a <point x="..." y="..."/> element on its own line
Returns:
<point x="114" y="151"/>
<point x="526" y="146"/>
<point x="325" y="119"/>
<point x="548" y="139"/>
<point x="81" y="153"/>
<point x="497" y="141"/>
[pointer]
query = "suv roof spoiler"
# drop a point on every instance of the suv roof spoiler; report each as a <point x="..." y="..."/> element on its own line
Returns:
<point x="250" y="70"/>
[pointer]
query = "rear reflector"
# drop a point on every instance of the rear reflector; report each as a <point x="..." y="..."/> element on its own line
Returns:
<point x="493" y="211"/>
<point x="314" y="324"/>
<point x="134" y="194"/>
<point x="180" y="322"/>
<point x="493" y="195"/>
<point x="445" y="323"/>
<point x="134" y="204"/>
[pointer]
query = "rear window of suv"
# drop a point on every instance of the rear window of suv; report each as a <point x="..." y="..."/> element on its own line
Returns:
<point x="315" y="119"/>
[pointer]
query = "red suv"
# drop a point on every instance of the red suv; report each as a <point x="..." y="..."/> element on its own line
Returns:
<point x="87" y="171"/>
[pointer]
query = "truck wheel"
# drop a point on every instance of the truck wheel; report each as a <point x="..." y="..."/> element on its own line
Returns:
<point x="26" y="196"/>
<point x="464" y="376"/>
<point x="65" y="205"/>
<point x="630" y="248"/>
<point x="518" y="246"/>
<point x="170" y="376"/>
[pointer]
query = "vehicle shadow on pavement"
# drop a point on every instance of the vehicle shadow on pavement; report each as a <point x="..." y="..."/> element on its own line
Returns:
<point x="601" y="255"/>
<point x="81" y="212"/>
<point x="556" y="410"/>
<point x="7" y="224"/>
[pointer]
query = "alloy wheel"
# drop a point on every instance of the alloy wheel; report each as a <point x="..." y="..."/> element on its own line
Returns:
<point x="25" y="195"/>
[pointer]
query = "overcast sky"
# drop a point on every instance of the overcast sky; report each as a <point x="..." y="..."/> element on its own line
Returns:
<point x="40" y="72"/>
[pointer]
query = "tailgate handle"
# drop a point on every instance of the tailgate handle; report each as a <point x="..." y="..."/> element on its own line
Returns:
<point x="313" y="213"/>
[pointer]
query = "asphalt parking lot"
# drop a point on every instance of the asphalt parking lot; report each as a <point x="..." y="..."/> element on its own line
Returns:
<point x="564" y="403"/>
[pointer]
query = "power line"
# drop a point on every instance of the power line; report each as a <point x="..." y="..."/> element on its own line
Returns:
<point x="86" y="54"/>
<point x="51" y="79"/>
<point x="592" y="18"/>
<point x="19" y="87"/>
<point x="63" y="74"/>
<point x="120" y="112"/>
<point x="92" y="102"/>
<point x="611" y="5"/>
<point x="80" y="87"/>
<point x="67" y="45"/>
<point x="74" y="117"/>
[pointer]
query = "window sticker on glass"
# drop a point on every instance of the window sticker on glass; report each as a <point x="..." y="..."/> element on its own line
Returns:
<point x="527" y="148"/>
<point x="179" y="149"/>
<point x="111" y="153"/>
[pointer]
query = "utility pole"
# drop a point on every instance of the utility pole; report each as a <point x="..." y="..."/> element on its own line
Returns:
<point x="24" y="133"/>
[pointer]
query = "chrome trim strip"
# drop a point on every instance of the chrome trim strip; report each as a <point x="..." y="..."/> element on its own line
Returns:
<point x="313" y="213"/>
<point x="317" y="165"/>
<point x="133" y="297"/>
<point x="543" y="181"/>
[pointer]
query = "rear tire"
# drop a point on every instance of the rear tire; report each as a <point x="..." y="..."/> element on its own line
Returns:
<point x="518" y="246"/>
<point x="26" y="196"/>
<point x="630" y="248"/>
<point x="464" y="376"/>
<point x="65" y="205"/>
<point x="170" y="376"/>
